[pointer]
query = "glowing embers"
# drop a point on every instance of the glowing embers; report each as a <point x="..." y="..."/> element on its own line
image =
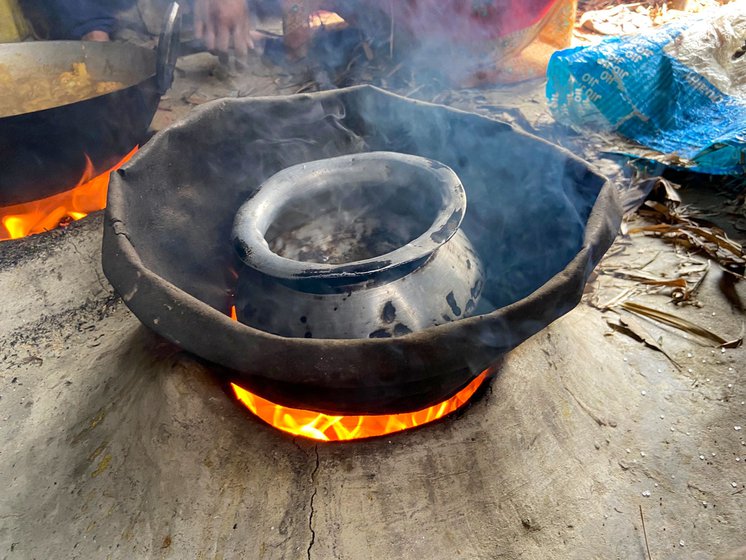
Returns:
<point x="325" y="427"/>
<point x="38" y="216"/>
<point x="325" y="19"/>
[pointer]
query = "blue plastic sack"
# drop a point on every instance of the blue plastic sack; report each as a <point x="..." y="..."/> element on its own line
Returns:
<point x="645" y="88"/>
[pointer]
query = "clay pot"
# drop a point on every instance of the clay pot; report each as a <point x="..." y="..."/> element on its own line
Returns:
<point x="357" y="246"/>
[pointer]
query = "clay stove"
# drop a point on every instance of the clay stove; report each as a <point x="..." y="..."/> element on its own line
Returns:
<point x="539" y="219"/>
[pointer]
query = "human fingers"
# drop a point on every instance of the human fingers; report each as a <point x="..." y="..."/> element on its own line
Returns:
<point x="222" y="37"/>
<point x="242" y="40"/>
<point x="209" y="36"/>
<point x="199" y="18"/>
<point x="204" y="27"/>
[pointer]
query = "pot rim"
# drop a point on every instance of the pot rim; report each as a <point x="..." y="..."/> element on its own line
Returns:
<point x="256" y="215"/>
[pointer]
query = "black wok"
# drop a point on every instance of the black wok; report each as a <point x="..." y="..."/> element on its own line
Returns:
<point x="44" y="152"/>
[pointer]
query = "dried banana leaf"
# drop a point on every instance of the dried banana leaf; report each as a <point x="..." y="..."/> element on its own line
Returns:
<point x="681" y="324"/>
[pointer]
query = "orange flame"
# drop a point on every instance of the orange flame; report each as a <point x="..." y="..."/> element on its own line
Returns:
<point x="326" y="427"/>
<point x="38" y="216"/>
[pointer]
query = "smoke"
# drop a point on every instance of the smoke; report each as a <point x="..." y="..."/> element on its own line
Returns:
<point x="528" y="202"/>
<point x="425" y="41"/>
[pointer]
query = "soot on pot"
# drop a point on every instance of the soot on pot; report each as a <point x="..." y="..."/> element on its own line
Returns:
<point x="358" y="246"/>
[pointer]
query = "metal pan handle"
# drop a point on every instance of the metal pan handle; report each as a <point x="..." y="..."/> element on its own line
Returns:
<point x="168" y="48"/>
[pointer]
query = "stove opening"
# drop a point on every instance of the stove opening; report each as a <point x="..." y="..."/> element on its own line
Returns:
<point x="330" y="427"/>
<point x="39" y="216"/>
<point x="327" y="427"/>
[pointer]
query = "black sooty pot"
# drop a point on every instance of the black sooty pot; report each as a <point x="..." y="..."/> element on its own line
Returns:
<point x="357" y="246"/>
<point x="539" y="218"/>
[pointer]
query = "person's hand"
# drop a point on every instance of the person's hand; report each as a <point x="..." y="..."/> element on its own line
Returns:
<point x="220" y="22"/>
<point x="100" y="36"/>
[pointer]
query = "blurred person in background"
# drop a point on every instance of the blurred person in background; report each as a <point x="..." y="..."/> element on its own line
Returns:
<point x="221" y="23"/>
<point x="481" y="41"/>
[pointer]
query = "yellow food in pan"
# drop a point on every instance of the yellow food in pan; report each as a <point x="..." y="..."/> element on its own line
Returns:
<point x="34" y="93"/>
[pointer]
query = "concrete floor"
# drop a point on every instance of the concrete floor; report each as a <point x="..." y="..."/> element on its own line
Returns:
<point x="117" y="445"/>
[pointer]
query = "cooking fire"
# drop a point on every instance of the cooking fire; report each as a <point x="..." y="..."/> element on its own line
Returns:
<point x="326" y="427"/>
<point x="358" y="246"/>
<point x="362" y="282"/>
<point x="372" y="273"/>
<point x="45" y="214"/>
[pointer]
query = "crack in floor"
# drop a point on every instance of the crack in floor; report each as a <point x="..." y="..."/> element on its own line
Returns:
<point x="313" y="496"/>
